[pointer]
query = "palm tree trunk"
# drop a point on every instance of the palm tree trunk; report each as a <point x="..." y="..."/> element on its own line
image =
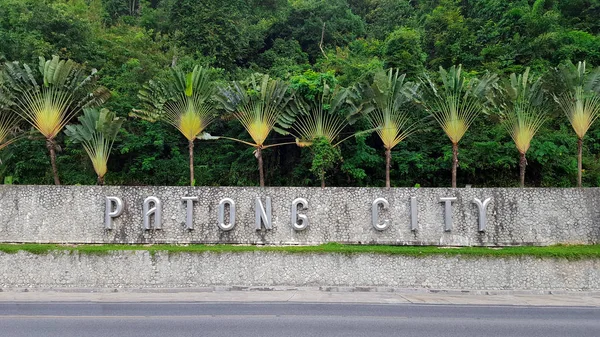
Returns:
<point x="191" y="148"/>
<point x="454" y="163"/>
<point x="522" y="165"/>
<point x="100" y="181"/>
<point x="51" y="147"/>
<point x="579" y="159"/>
<point x="388" y="163"/>
<point x="260" y="166"/>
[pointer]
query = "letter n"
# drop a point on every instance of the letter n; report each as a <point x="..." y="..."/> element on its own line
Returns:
<point x="263" y="216"/>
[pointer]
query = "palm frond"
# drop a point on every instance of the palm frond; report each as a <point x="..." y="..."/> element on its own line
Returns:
<point x="522" y="123"/>
<point x="386" y="103"/>
<point x="580" y="101"/>
<point x="392" y="127"/>
<point x="47" y="109"/>
<point x="184" y="102"/>
<point x="50" y="103"/>
<point x="96" y="132"/>
<point x="522" y="108"/>
<point x="8" y="123"/>
<point x="153" y="97"/>
<point x="189" y="114"/>
<point x="572" y="76"/>
<point x="258" y="106"/>
<point x="319" y="118"/>
<point x="458" y="102"/>
<point x="582" y="109"/>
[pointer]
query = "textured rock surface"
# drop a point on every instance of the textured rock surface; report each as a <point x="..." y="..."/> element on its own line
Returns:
<point x="140" y="269"/>
<point x="75" y="214"/>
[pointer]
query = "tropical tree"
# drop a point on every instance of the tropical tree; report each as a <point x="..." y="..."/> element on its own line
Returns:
<point x="97" y="132"/>
<point x="455" y="104"/>
<point x="386" y="102"/>
<point x="318" y="123"/>
<point x="8" y="120"/>
<point x="522" y="111"/>
<point x="579" y="99"/>
<point x="50" y="98"/>
<point x="260" y="106"/>
<point x="8" y="123"/>
<point x="185" y="102"/>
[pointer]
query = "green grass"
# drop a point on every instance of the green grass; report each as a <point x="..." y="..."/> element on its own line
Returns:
<point x="558" y="251"/>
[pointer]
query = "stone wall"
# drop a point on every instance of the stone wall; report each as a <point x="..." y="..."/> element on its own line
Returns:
<point x="140" y="269"/>
<point x="76" y="214"/>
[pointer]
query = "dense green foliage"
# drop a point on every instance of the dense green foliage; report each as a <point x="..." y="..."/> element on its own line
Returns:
<point x="131" y="42"/>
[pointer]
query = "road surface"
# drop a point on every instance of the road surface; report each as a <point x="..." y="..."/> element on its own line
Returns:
<point x="227" y="319"/>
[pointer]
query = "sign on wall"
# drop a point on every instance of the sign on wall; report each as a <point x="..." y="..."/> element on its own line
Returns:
<point x="294" y="215"/>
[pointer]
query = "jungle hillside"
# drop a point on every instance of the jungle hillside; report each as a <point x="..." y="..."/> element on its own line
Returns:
<point x="328" y="53"/>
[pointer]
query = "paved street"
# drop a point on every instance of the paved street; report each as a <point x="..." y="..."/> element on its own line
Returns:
<point x="66" y="319"/>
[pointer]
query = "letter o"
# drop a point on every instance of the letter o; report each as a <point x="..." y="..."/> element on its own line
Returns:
<point x="221" y="214"/>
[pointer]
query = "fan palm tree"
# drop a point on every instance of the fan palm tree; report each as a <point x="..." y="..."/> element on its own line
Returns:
<point x="384" y="103"/>
<point x="580" y="101"/>
<point x="320" y="117"/>
<point x="522" y="111"/>
<point x="97" y="133"/>
<point x="185" y="102"/>
<point x="8" y="123"/>
<point x="8" y="120"/>
<point x="455" y="104"/>
<point x="319" y="122"/>
<point x="260" y="107"/>
<point x="50" y="99"/>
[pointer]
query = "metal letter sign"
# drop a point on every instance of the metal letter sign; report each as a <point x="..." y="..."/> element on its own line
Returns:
<point x="262" y="215"/>
<point x="482" y="212"/>
<point x="109" y="214"/>
<point x="156" y="210"/>
<point x="299" y="217"/>
<point x="413" y="214"/>
<point x="152" y="208"/>
<point x="375" y="214"/>
<point x="448" y="212"/>
<point x="189" y="209"/>
<point x="221" y="214"/>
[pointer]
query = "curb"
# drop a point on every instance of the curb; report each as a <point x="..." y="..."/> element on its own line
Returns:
<point x="323" y="289"/>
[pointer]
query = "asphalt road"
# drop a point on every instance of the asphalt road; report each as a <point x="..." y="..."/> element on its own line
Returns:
<point x="291" y="319"/>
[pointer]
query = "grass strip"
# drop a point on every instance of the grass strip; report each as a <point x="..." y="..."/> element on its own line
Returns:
<point x="557" y="251"/>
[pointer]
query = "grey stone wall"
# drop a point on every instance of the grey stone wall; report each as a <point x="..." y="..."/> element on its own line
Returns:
<point x="75" y="214"/>
<point x="140" y="269"/>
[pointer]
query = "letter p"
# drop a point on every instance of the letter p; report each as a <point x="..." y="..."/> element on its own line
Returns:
<point x="109" y="213"/>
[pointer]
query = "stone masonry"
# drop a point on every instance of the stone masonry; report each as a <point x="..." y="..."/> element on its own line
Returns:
<point x="75" y="214"/>
<point x="140" y="269"/>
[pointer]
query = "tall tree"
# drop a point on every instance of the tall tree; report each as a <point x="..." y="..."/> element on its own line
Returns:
<point x="259" y="104"/>
<point x="318" y="124"/>
<point x="50" y="98"/>
<point x="580" y="101"/>
<point x="386" y="103"/>
<point x="318" y="25"/>
<point x="97" y="132"/>
<point x="455" y="104"/>
<point x="218" y="29"/>
<point x="185" y="102"/>
<point x="522" y="111"/>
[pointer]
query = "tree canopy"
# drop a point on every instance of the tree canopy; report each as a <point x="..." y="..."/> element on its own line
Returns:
<point x="304" y="43"/>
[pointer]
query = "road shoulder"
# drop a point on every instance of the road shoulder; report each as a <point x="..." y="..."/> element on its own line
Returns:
<point x="306" y="295"/>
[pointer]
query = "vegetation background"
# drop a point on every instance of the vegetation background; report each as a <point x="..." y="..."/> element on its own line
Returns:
<point x="133" y="41"/>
